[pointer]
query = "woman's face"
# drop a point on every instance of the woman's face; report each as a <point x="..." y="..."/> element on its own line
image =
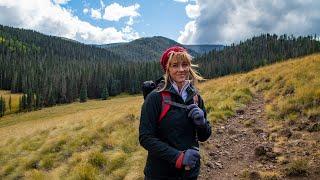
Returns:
<point x="179" y="70"/>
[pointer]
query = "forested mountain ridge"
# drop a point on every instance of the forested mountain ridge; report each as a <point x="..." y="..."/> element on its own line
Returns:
<point x="56" y="70"/>
<point x="52" y="70"/>
<point x="144" y="49"/>
<point x="255" y="52"/>
<point x="40" y="45"/>
<point x="151" y="48"/>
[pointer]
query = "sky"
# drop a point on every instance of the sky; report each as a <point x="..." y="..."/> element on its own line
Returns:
<point x="185" y="21"/>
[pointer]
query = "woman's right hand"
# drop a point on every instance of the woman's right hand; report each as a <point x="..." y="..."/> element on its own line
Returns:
<point x="196" y="114"/>
<point x="190" y="158"/>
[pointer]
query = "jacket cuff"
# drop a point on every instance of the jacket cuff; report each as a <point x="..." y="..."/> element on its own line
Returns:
<point x="179" y="160"/>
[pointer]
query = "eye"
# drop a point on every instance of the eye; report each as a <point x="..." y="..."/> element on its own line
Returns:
<point x="174" y="65"/>
<point x="185" y="65"/>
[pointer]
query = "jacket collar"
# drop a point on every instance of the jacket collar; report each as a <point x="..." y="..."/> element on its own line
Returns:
<point x="191" y="91"/>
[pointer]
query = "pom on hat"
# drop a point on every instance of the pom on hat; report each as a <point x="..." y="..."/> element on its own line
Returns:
<point x="166" y="54"/>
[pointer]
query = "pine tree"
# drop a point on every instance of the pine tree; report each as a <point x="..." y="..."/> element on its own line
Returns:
<point x="10" y="103"/>
<point x="104" y="94"/>
<point x="24" y="102"/>
<point x="1" y="106"/>
<point x="30" y="100"/>
<point x="38" y="103"/>
<point x="20" y="104"/>
<point x="83" y="94"/>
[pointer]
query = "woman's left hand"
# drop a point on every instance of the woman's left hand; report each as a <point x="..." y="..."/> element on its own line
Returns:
<point x="196" y="114"/>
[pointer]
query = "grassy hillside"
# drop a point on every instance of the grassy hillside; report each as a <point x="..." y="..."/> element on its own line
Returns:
<point x="292" y="93"/>
<point x="99" y="139"/>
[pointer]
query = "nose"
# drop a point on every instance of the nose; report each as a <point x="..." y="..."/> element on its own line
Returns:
<point x="180" y="68"/>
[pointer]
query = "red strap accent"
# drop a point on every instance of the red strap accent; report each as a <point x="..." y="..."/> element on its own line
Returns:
<point x="165" y="106"/>
<point x="179" y="160"/>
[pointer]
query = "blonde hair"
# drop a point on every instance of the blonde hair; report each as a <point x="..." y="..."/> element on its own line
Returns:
<point x="182" y="57"/>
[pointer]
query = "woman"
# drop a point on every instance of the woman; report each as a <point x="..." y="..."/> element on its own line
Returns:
<point x="171" y="138"/>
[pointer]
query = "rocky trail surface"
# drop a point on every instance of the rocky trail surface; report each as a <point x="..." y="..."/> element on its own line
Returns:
<point x="240" y="146"/>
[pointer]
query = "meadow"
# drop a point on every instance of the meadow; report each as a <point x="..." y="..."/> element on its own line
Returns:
<point x="99" y="139"/>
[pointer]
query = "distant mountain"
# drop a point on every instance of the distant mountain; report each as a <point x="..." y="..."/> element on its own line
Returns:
<point x="204" y="48"/>
<point x="29" y="42"/>
<point x="143" y="49"/>
<point x="151" y="48"/>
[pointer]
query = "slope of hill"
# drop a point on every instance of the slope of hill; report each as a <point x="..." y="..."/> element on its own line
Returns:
<point x="40" y="46"/>
<point x="274" y="137"/>
<point x="143" y="49"/>
<point x="151" y="48"/>
<point x="256" y="52"/>
<point x="99" y="139"/>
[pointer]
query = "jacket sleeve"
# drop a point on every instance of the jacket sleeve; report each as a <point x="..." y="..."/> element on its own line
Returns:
<point x="150" y="113"/>
<point x="203" y="132"/>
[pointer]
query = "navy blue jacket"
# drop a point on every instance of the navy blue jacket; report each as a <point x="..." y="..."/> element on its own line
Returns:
<point x="176" y="132"/>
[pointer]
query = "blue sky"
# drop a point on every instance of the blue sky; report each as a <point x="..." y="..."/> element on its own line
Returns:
<point x="185" y="21"/>
<point x="157" y="18"/>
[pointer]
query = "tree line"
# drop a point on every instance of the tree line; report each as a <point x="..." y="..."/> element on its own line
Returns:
<point x="255" y="52"/>
<point x="50" y="70"/>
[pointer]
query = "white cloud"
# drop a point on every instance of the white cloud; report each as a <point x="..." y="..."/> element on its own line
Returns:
<point x="61" y="1"/>
<point x="130" y="22"/>
<point x="95" y="13"/>
<point x="127" y="29"/>
<point x="85" y="10"/>
<point x="189" y="31"/>
<point x="129" y="33"/>
<point x="229" y="22"/>
<point x="184" y="1"/>
<point x="115" y="12"/>
<point x="49" y="18"/>
<point x="193" y="11"/>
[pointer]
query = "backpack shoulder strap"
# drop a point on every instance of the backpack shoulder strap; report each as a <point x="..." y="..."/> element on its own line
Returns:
<point x="165" y="96"/>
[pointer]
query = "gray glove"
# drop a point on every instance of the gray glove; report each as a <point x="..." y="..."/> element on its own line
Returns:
<point x="191" y="157"/>
<point x="196" y="114"/>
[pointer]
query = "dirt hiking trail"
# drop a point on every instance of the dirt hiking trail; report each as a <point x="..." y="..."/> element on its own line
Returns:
<point x="240" y="145"/>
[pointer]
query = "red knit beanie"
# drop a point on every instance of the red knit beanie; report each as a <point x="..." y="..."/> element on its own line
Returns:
<point x="166" y="54"/>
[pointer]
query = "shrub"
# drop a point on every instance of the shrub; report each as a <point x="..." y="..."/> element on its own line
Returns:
<point x="298" y="168"/>
<point x="47" y="162"/>
<point x="97" y="159"/>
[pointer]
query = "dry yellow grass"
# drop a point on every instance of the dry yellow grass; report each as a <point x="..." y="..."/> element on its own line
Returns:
<point x="58" y="140"/>
<point x="99" y="139"/>
<point x="14" y="101"/>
